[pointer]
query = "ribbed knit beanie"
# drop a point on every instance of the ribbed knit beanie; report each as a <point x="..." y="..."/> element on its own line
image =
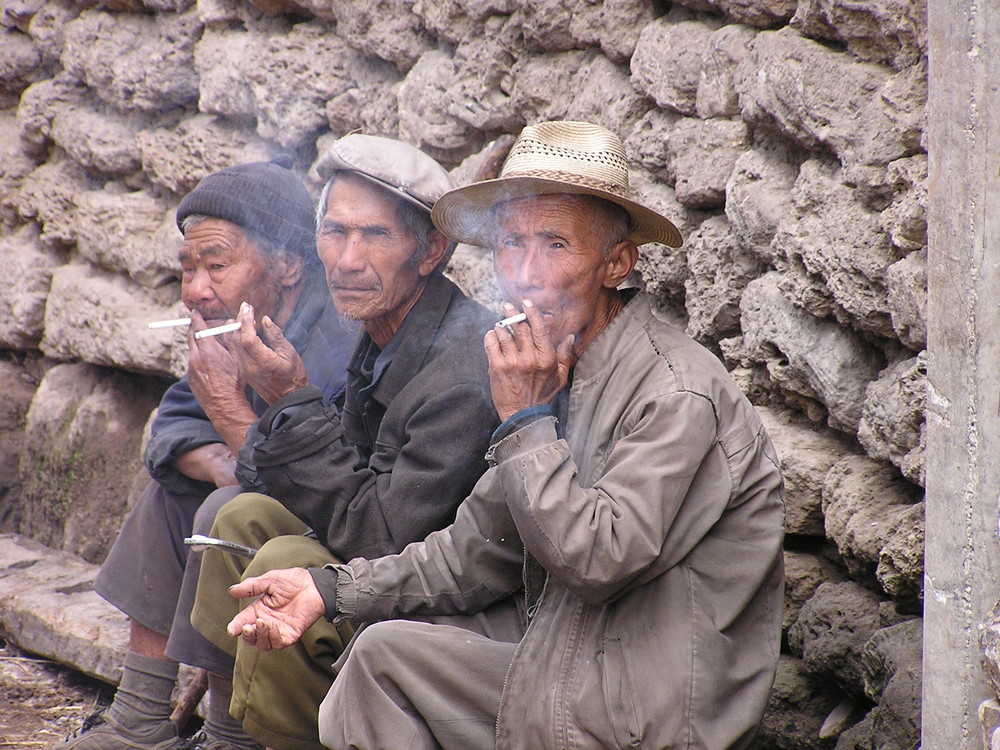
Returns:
<point x="262" y="197"/>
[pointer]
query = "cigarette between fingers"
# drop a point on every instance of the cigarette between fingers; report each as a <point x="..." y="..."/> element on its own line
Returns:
<point x="172" y="323"/>
<point x="225" y="328"/>
<point x="511" y="320"/>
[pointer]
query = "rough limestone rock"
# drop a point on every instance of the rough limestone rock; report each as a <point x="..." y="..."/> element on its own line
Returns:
<point x="989" y="641"/>
<point x="798" y="705"/>
<point x="557" y="25"/>
<point x="14" y="167"/>
<point x="804" y="572"/>
<point x="370" y="104"/>
<point x="667" y="62"/>
<point x="129" y="232"/>
<point x="48" y="196"/>
<point x="18" y="387"/>
<point x="905" y="219"/>
<point x="20" y="65"/>
<point x="646" y="143"/>
<point x="887" y="31"/>
<point x="760" y="13"/>
<point x="906" y="289"/>
<point x="832" y="629"/>
<point x="98" y="317"/>
<point x="424" y="118"/>
<point x="101" y="142"/>
<point x="38" y="107"/>
<point x="821" y="98"/>
<point x="82" y="431"/>
<point x="805" y="355"/>
<point x="759" y="196"/>
<point x="719" y="270"/>
<point x="717" y="95"/>
<point x="891" y="663"/>
<point x="135" y="61"/>
<point x="220" y="57"/>
<point x="701" y="155"/>
<point x="892" y="421"/>
<point x="833" y="252"/>
<point x="388" y="29"/>
<point x="866" y="503"/>
<point x="900" y="567"/>
<point x="47" y="27"/>
<point x="22" y="305"/>
<point x="177" y="158"/>
<point x="806" y="453"/>
<point x="591" y="101"/>
<point x="292" y="76"/>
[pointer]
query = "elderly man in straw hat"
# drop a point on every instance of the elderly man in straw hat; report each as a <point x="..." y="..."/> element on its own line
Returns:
<point x="634" y="509"/>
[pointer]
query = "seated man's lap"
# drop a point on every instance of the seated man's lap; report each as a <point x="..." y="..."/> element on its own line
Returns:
<point x="143" y="572"/>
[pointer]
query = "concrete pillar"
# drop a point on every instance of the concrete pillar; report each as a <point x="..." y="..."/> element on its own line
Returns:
<point x="962" y="555"/>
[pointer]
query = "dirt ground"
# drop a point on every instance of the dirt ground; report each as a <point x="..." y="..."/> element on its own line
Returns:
<point x="41" y="701"/>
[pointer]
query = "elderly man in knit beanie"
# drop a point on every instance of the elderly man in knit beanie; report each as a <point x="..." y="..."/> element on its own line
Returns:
<point x="248" y="237"/>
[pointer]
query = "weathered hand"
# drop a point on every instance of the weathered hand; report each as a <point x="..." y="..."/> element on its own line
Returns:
<point x="213" y="463"/>
<point x="289" y="604"/>
<point x="273" y="369"/>
<point x="525" y="369"/>
<point x="213" y="374"/>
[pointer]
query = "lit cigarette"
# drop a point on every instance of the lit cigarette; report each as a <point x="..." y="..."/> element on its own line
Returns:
<point x="226" y="328"/>
<point x="511" y="320"/>
<point x="172" y="323"/>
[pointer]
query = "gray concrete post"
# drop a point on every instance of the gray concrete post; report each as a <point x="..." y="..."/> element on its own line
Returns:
<point x="962" y="553"/>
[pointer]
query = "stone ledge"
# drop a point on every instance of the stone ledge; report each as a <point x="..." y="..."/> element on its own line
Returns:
<point x="48" y="607"/>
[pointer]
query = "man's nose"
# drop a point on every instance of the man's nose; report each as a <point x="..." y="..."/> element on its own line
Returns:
<point x="353" y="256"/>
<point x="527" y="271"/>
<point x="198" y="287"/>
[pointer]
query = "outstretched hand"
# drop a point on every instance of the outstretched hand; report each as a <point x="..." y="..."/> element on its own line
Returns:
<point x="525" y="368"/>
<point x="270" y="366"/>
<point x="288" y="606"/>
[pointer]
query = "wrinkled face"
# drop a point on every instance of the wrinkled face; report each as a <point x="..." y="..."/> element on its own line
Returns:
<point x="367" y="252"/>
<point x="222" y="267"/>
<point x="548" y="250"/>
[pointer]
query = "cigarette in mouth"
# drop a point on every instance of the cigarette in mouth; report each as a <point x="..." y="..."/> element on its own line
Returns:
<point x="226" y="328"/>
<point x="511" y="320"/>
<point x="172" y="323"/>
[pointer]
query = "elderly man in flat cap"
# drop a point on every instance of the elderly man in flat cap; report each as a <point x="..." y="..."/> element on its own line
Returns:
<point x="248" y="237"/>
<point x="388" y="468"/>
<point x="634" y="508"/>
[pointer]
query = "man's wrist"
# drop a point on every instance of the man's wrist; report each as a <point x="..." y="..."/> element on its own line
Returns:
<point x="326" y="584"/>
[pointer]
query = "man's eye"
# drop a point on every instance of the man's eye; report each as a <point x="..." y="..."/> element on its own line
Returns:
<point x="217" y="267"/>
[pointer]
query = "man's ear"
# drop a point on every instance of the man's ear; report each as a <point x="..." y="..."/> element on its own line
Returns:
<point x="289" y="268"/>
<point x="436" y="249"/>
<point x="622" y="257"/>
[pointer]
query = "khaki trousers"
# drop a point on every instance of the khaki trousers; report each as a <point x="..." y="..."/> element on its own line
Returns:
<point x="411" y="684"/>
<point x="276" y="693"/>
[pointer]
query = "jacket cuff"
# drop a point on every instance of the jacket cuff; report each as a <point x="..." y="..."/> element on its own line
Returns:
<point x="303" y="395"/>
<point x="339" y="591"/>
<point x="529" y="438"/>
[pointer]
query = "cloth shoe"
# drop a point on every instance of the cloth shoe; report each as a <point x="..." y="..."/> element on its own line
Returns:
<point x="202" y="741"/>
<point x="99" y="732"/>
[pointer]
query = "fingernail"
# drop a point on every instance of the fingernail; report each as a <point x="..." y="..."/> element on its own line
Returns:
<point x="526" y="303"/>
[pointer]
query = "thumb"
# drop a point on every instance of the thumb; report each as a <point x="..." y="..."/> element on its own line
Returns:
<point x="564" y="356"/>
<point x="248" y="587"/>
<point x="274" y="337"/>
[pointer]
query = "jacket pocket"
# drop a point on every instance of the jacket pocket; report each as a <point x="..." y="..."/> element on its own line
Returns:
<point x="619" y="696"/>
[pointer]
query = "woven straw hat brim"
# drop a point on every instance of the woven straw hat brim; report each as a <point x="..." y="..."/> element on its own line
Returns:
<point x="463" y="214"/>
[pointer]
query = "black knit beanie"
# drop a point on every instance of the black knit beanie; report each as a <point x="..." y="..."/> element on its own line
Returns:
<point x="264" y="197"/>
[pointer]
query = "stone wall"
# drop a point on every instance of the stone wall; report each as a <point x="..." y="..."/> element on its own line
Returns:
<point x="784" y="138"/>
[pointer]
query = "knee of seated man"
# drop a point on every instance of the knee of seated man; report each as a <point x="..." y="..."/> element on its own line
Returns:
<point x="242" y="512"/>
<point x="289" y="551"/>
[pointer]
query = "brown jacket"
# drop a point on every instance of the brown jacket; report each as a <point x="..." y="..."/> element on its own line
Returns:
<point x="658" y="521"/>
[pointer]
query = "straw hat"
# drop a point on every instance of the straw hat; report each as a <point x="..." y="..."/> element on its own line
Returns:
<point x="552" y="157"/>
